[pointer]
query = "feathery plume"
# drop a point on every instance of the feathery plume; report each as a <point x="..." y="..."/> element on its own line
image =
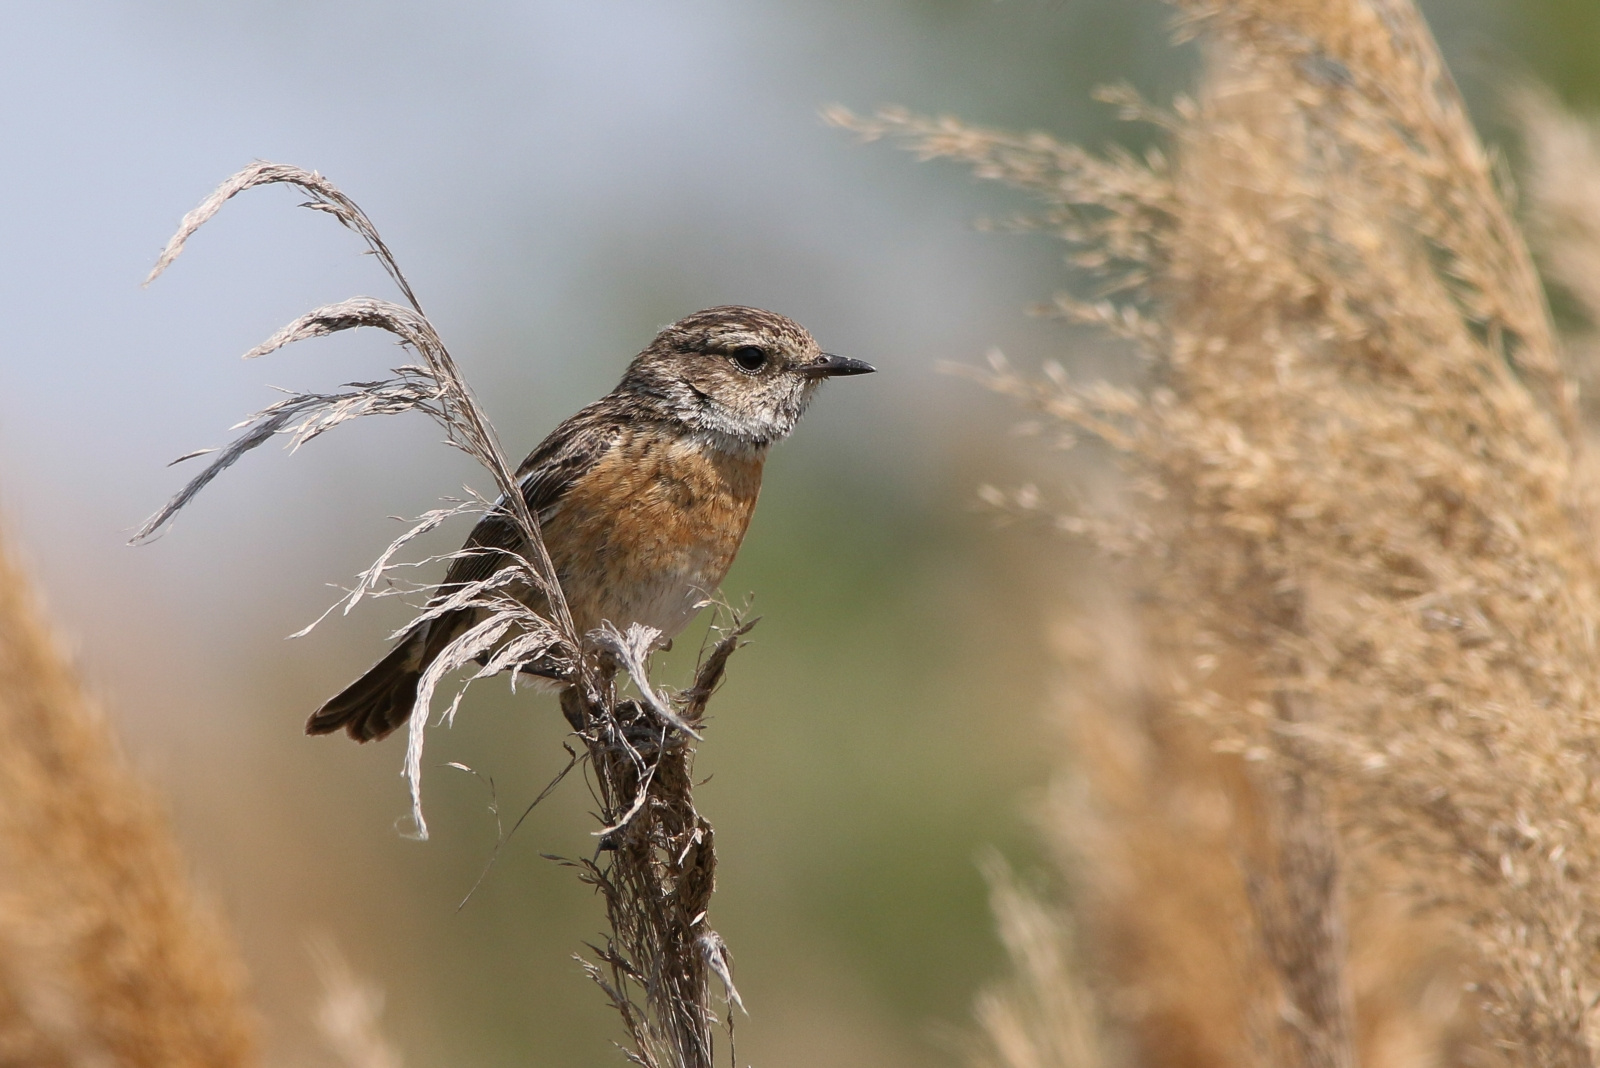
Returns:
<point x="1358" y="516"/>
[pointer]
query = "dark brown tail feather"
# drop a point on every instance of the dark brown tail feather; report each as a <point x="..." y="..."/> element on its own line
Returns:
<point x="380" y="700"/>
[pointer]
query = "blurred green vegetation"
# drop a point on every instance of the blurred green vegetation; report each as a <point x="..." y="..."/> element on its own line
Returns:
<point x="1558" y="43"/>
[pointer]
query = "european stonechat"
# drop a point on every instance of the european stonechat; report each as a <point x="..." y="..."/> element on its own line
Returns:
<point x="643" y="497"/>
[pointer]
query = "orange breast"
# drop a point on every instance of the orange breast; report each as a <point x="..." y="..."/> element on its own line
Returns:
<point x="651" y="530"/>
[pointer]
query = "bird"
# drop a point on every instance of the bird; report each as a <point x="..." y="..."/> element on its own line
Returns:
<point x="643" y="497"/>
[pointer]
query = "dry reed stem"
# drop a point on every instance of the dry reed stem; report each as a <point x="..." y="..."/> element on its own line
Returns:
<point x="659" y="871"/>
<point x="658" y="874"/>
<point x="107" y="957"/>
<point x="1358" y="492"/>
<point x="1297" y="895"/>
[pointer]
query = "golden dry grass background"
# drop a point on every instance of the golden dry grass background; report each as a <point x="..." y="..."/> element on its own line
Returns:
<point x="107" y="955"/>
<point x="1361" y="685"/>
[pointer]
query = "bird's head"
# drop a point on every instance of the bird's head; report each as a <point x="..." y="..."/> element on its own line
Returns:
<point x="741" y="372"/>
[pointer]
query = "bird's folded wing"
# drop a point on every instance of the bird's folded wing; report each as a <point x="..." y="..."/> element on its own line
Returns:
<point x="563" y="458"/>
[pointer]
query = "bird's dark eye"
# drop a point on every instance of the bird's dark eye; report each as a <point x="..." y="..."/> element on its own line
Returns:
<point x="749" y="358"/>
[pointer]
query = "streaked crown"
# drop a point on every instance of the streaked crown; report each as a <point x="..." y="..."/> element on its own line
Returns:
<point x="737" y="372"/>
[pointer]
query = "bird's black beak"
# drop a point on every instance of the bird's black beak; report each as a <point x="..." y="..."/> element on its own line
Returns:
<point x="829" y="366"/>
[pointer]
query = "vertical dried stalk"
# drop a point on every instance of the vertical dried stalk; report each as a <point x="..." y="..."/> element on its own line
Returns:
<point x="658" y="879"/>
<point x="661" y="870"/>
<point x="1299" y="909"/>
<point x="1357" y="474"/>
<point x="106" y="956"/>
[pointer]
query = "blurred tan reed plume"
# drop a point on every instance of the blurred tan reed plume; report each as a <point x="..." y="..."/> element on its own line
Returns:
<point x="107" y="957"/>
<point x="1160" y="837"/>
<point x="655" y="866"/>
<point x="1360" y="530"/>
<point x="1046" y="1014"/>
<point x="349" y="1017"/>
